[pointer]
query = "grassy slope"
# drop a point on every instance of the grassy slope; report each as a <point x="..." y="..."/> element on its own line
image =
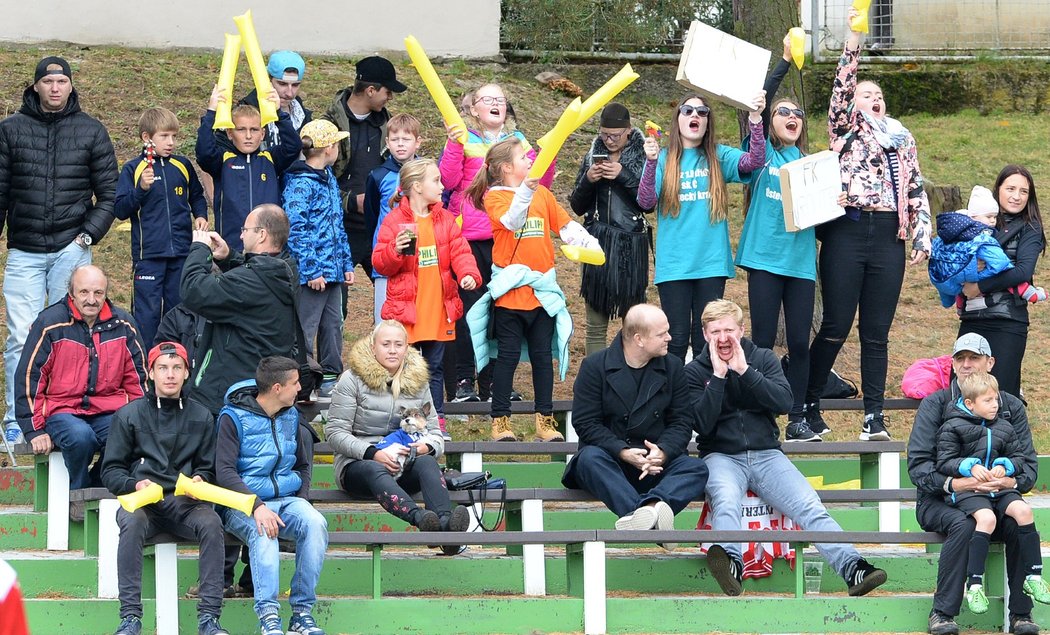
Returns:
<point x="116" y="84"/>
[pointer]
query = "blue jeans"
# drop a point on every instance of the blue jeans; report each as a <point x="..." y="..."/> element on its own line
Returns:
<point x="79" y="437"/>
<point x="303" y="524"/>
<point x="778" y="482"/>
<point x="616" y="483"/>
<point x="31" y="282"/>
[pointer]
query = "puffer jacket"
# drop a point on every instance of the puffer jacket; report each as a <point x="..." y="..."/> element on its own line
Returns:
<point x="51" y="165"/>
<point x="363" y="409"/>
<point x="460" y="163"/>
<point x="965" y="440"/>
<point x="863" y="160"/>
<point x="959" y="244"/>
<point x="159" y="438"/>
<point x="453" y="254"/>
<point x="316" y="238"/>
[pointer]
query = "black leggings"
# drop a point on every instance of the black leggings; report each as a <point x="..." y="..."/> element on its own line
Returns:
<point x="1008" y="339"/>
<point x="683" y="302"/>
<point x="370" y="478"/>
<point x="482" y="252"/>
<point x="766" y="292"/>
<point x="861" y="266"/>
<point x="536" y="328"/>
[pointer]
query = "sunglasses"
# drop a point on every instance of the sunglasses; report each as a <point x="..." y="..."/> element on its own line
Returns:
<point x="488" y="100"/>
<point x="687" y="110"/>
<point x="784" y="111"/>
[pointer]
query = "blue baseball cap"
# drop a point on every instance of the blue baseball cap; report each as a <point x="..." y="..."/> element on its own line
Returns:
<point x="284" y="63"/>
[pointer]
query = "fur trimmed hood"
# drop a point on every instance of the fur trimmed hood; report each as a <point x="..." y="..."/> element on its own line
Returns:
<point x="363" y="363"/>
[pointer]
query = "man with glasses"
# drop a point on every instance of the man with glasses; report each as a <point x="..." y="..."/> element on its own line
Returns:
<point x="606" y="196"/>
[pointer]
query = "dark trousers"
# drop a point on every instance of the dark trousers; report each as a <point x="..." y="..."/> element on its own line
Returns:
<point x="766" y="293"/>
<point x="369" y="478"/>
<point x="683" y="302"/>
<point x="155" y="292"/>
<point x="321" y="316"/>
<point x="185" y="518"/>
<point x="934" y="514"/>
<point x="861" y="266"/>
<point x="536" y="328"/>
<point x="616" y="483"/>
<point x="434" y="353"/>
<point x="465" y="363"/>
<point x="448" y="363"/>
<point x="1008" y="339"/>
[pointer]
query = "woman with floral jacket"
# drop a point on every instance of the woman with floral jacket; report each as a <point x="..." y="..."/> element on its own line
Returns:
<point x="862" y="255"/>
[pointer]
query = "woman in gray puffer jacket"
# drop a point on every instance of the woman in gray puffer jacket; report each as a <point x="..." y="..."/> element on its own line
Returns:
<point x="385" y="374"/>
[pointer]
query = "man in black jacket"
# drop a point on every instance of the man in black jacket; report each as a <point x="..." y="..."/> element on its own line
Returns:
<point x="250" y="305"/>
<point x="630" y="409"/>
<point x="58" y="182"/>
<point x="154" y="439"/>
<point x="971" y="354"/>
<point x="738" y="389"/>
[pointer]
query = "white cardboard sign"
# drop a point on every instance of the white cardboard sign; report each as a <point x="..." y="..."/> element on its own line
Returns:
<point x="810" y="187"/>
<point x="722" y="67"/>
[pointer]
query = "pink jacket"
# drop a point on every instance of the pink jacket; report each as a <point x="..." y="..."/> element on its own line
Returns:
<point x="927" y="376"/>
<point x="459" y="164"/>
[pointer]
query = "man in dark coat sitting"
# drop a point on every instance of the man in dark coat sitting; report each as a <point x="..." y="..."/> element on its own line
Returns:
<point x="632" y="413"/>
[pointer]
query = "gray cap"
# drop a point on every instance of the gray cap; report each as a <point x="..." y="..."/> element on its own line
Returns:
<point x="974" y="343"/>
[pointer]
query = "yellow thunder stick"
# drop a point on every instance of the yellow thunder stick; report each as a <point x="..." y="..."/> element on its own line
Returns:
<point x="215" y="494"/>
<point x="263" y="87"/>
<point x="430" y="78"/>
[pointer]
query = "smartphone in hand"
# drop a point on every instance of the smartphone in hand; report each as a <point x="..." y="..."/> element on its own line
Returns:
<point x="599" y="158"/>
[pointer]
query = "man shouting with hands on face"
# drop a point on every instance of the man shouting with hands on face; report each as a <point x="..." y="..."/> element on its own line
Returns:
<point x="631" y="410"/>
<point x="737" y="391"/>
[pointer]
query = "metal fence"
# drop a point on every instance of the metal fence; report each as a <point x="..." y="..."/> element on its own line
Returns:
<point x="923" y="29"/>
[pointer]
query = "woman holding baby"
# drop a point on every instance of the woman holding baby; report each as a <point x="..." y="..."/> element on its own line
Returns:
<point x="385" y="379"/>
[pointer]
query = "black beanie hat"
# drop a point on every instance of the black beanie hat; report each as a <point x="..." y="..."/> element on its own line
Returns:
<point x="615" y="115"/>
<point x="41" y="68"/>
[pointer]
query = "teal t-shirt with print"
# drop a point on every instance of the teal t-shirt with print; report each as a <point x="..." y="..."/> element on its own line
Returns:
<point x="764" y="243"/>
<point x="689" y="247"/>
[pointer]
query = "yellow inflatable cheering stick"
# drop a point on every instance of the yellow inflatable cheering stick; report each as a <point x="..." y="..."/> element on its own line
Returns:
<point x="215" y="494"/>
<point x="586" y="255"/>
<point x="797" y="39"/>
<point x="860" y="24"/>
<point x="430" y="78"/>
<point x="602" y="96"/>
<point x="263" y="87"/>
<point x="231" y="54"/>
<point x="152" y="493"/>
<point x="567" y="123"/>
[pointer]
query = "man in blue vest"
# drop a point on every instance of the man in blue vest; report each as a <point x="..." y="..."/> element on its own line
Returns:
<point x="265" y="449"/>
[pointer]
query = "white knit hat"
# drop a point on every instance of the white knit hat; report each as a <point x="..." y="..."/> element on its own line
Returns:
<point x="981" y="202"/>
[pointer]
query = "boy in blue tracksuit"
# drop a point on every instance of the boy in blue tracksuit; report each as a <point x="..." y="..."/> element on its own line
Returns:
<point x="402" y="141"/>
<point x="161" y="194"/>
<point x="245" y="176"/>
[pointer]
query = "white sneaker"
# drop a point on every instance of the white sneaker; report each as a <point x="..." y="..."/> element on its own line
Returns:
<point x="643" y="518"/>
<point x="665" y="522"/>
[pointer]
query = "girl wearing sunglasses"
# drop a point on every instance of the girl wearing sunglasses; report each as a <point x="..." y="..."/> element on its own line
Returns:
<point x="781" y="265"/>
<point x="686" y="183"/>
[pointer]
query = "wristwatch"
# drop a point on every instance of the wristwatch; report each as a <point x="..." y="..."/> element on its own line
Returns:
<point x="85" y="239"/>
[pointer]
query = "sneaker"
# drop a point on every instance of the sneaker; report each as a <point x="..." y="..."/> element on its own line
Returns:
<point x="799" y="431"/>
<point x="130" y="625"/>
<point x="664" y="522"/>
<point x="516" y="396"/>
<point x="941" y="624"/>
<point x="1035" y="587"/>
<point x="271" y="625"/>
<point x="444" y="431"/>
<point x="324" y="391"/>
<point x="547" y="428"/>
<point x="303" y="624"/>
<point x="976" y="600"/>
<point x="501" y="429"/>
<point x="210" y="626"/>
<point x="643" y="518"/>
<point x="1022" y="624"/>
<point x="864" y="578"/>
<point x="465" y="392"/>
<point x="13" y="435"/>
<point x="874" y="428"/>
<point x="816" y="423"/>
<point x="726" y="570"/>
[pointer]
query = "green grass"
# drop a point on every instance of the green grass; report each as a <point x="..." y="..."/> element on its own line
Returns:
<point x="116" y="84"/>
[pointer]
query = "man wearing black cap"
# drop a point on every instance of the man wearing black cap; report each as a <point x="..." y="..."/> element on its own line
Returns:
<point x="361" y="111"/>
<point x="606" y="196"/>
<point x="58" y="170"/>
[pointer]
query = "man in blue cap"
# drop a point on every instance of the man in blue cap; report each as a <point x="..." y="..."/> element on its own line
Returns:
<point x="286" y="69"/>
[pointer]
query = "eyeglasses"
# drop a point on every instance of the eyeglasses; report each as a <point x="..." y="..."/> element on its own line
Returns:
<point x="687" y="110"/>
<point x="784" y="111"/>
<point x="244" y="229"/>
<point x="611" y="136"/>
<point x="488" y="101"/>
